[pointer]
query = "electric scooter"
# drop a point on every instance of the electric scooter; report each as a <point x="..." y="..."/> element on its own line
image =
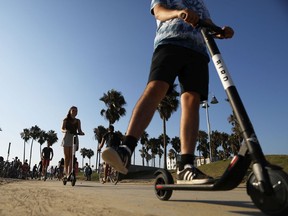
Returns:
<point x="267" y="184"/>
<point x="72" y="175"/>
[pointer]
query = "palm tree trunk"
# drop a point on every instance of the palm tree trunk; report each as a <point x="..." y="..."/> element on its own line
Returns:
<point x="143" y="156"/>
<point x="24" y="151"/>
<point x="40" y="152"/>
<point x="97" y="155"/>
<point x="31" y="147"/>
<point x="165" y="143"/>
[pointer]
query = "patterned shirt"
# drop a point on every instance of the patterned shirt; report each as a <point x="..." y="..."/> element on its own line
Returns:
<point x="176" y="31"/>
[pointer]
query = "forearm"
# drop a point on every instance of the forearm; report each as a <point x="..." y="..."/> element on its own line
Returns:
<point x="79" y="128"/>
<point x="162" y="13"/>
<point x="101" y="145"/>
<point x="63" y="128"/>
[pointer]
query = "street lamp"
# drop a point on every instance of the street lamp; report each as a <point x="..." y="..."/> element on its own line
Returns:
<point x="205" y="106"/>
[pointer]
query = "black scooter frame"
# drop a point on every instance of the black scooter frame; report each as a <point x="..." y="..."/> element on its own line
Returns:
<point x="267" y="184"/>
<point x="250" y="150"/>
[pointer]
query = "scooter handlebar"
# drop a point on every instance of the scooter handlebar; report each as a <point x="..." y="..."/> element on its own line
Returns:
<point x="78" y="134"/>
<point x="213" y="29"/>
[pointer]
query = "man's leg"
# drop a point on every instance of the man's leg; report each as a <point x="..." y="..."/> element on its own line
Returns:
<point x="44" y="167"/>
<point x="106" y="172"/>
<point x="142" y="114"/>
<point x="189" y="126"/>
<point x="145" y="108"/>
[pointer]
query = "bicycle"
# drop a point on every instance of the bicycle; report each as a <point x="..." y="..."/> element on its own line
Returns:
<point x="112" y="174"/>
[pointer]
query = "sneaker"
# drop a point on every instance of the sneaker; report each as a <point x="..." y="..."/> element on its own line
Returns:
<point x="119" y="159"/>
<point x="192" y="175"/>
<point x="64" y="178"/>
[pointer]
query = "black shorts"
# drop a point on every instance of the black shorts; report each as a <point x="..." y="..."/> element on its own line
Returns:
<point x="191" y="68"/>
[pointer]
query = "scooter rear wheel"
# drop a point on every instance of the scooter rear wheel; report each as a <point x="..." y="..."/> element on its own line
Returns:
<point x="275" y="204"/>
<point x="160" y="180"/>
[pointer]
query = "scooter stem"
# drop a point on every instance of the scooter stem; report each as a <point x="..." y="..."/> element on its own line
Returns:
<point x="254" y="149"/>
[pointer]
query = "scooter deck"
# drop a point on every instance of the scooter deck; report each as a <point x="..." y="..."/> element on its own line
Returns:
<point x="208" y="187"/>
<point x="231" y="178"/>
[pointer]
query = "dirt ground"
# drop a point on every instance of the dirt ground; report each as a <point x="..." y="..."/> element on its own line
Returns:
<point x="127" y="198"/>
<point x="39" y="198"/>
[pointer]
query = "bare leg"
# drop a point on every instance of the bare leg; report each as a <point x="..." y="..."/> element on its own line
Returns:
<point x="142" y="114"/>
<point x="67" y="160"/>
<point x="107" y="167"/>
<point x="145" y="108"/>
<point x="189" y="125"/>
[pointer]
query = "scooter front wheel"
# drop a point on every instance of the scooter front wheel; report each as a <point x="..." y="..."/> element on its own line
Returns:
<point x="275" y="204"/>
<point x="64" y="180"/>
<point x="73" y="180"/>
<point x="161" y="179"/>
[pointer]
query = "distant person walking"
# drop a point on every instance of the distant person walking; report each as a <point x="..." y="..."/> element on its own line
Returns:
<point x="87" y="172"/>
<point x="47" y="156"/>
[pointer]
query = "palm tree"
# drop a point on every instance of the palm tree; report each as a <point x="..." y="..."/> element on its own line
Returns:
<point x="89" y="154"/>
<point x="143" y="141"/>
<point x="52" y="136"/>
<point x="34" y="133"/>
<point x="41" y="139"/>
<point x="166" y="107"/>
<point x="114" y="102"/>
<point x="225" y="145"/>
<point x="216" y="141"/>
<point x="236" y="129"/>
<point x="233" y="141"/>
<point x="148" y="147"/>
<point x="148" y="157"/>
<point x="160" y="153"/>
<point x="25" y="135"/>
<point x="163" y="139"/>
<point x="83" y="152"/>
<point x="176" y="144"/>
<point x="172" y="155"/>
<point x="143" y="154"/>
<point x="154" y="144"/>
<point x="203" y="145"/>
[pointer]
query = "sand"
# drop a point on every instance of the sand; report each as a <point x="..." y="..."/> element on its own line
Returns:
<point x="39" y="198"/>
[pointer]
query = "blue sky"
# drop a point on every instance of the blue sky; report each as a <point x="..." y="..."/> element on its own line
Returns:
<point x="55" y="54"/>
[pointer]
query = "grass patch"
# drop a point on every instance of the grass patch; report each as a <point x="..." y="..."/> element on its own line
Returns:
<point x="94" y="177"/>
<point x="280" y="160"/>
<point x="216" y="169"/>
